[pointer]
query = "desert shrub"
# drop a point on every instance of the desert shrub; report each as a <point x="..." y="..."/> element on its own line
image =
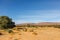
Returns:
<point x="9" y="31"/>
<point x="25" y="29"/>
<point x="19" y="28"/>
<point x="57" y="26"/>
<point x="1" y="34"/>
<point x="28" y="25"/>
<point x="6" y="22"/>
<point x="31" y="30"/>
<point x="34" y="33"/>
<point x="15" y="39"/>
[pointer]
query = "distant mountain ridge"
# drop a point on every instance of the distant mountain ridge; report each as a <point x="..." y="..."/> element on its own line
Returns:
<point x="42" y="23"/>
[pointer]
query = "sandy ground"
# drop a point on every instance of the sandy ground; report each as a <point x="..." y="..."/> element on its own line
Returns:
<point x="36" y="34"/>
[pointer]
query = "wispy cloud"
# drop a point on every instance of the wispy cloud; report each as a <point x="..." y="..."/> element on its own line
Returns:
<point x="27" y="21"/>
<point x="42" y="16"/>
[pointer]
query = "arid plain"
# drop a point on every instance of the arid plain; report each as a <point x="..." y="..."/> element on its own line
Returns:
<point x="45" y="33"/>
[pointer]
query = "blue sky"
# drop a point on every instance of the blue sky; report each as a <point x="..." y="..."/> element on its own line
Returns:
<point x="33" y="11"/>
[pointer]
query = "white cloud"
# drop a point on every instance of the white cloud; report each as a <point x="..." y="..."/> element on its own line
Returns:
<point x="27" y="21"/>
<point x="19" y="21"/>
<point x="41" y="16"/>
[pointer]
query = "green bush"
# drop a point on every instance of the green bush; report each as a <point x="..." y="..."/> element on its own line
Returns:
<point x="6" y="22"/>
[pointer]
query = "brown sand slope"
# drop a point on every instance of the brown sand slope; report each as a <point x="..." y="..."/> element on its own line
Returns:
<point x="37" y="34"/>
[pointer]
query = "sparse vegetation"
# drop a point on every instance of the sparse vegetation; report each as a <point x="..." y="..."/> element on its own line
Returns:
<point x="15" y="39"/>
<point x="36" y="26"/>
<point x="1" y="34"/>
<point x="34" y="33"/>
<point x="31" y="30"/>
<point x="8" y="25"/>
<point x="9" y="31"/>
<point x="25" y="29"/>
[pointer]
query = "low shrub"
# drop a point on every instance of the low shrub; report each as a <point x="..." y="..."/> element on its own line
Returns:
<point x="34" y="33"/>
<point x="9" y="31"/>
<point x="1" y="34"/>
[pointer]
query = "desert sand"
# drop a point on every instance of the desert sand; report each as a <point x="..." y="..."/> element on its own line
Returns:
<point x="47" y="33"/>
